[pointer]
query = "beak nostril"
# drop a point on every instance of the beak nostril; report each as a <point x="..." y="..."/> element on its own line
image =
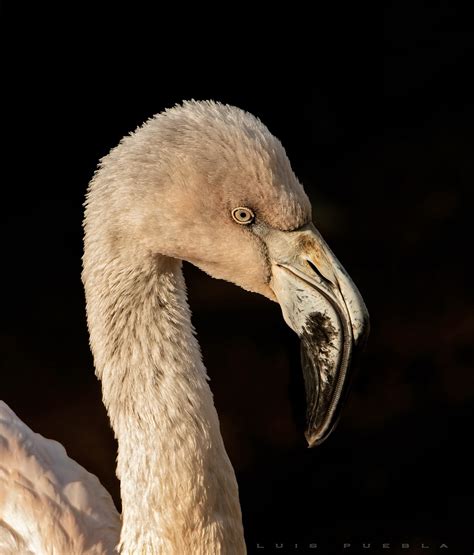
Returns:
<point x="317" y="272"/>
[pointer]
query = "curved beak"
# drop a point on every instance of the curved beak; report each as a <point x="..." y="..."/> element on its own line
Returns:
<point x="322" y="305"/>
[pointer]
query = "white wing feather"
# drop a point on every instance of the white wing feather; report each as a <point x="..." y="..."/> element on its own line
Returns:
<point x="49" y="504"/>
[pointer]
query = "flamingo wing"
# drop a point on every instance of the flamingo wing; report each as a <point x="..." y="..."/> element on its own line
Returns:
<point x="49" y="504"/>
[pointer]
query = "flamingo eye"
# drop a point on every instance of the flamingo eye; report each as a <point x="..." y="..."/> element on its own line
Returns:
<point x="243" y="215"/>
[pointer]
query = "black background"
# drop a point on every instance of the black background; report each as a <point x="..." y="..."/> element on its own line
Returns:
<point x="375" y="109"/>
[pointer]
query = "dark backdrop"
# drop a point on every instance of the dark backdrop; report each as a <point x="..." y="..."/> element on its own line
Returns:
<point x="376" y="113"/>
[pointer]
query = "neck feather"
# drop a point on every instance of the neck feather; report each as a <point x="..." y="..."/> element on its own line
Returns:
<point x="179" y="492"/>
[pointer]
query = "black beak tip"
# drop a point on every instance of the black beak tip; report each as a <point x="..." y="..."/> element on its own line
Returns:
<point x="315" y="437"/>
<point x="315" y="441"/>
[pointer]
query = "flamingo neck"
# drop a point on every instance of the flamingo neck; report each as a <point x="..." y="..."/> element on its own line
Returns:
<point x="178" y="488"/>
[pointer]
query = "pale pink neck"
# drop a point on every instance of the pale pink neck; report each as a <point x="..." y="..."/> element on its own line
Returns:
<point x="179" y="492"/>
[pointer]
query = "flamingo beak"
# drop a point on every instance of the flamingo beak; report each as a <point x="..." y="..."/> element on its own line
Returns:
<point x="322" y="305"/>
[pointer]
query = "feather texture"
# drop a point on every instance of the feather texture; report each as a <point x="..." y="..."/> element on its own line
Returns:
<point x="48" y="502"/>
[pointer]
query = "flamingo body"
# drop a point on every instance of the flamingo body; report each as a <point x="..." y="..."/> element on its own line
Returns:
<point x="48" y="502"/>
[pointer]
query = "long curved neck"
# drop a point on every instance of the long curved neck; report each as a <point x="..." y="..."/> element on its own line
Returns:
<point x="178" y="488"/>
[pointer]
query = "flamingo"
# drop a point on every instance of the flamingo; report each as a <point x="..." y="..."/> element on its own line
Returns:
<point x="205" y="183"/>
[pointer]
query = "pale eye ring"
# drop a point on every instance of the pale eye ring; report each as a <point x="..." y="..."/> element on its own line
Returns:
<point x="243" y="215"/>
